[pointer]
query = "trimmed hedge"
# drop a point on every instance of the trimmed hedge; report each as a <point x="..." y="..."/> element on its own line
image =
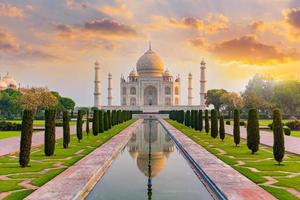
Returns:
<point x="79" y="125"/>
<point x="278" y="146"/>
<point x="200" y="120"/>
<point x="96" y="122"/>
<point x="87" y="128"/>
<point x="10" y="126"/>
<point x="236" y="127"/>
<point x="26" y="137"/>
<point x="101" y="121"/>
<point x="253" y="131"/>
<point x="66" y="129"/>
<point x="214" y="123"/>
<point x="49" y="147"/>
<point x="105" y="121"/>
<point x="187" y="121"/>
<point x="222" y="128"/>
<point x="206" y="125"/>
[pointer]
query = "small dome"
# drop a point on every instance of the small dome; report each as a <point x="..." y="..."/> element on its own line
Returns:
<point x="150" y="64"/>
<point x="3" y="85"/>
<point x="133" y="73"/>
<point x="11" y="83"/>
<point x="167" y="73"/>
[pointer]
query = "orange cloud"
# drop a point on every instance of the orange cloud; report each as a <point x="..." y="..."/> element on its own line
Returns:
<point x="10" y="11"/>
<point x="7" y="41"/>
<point x="120" y="11"/>
<point x="248" y="50"/>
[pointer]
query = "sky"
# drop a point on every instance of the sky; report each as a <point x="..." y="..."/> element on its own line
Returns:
<point x="54" y="43"/>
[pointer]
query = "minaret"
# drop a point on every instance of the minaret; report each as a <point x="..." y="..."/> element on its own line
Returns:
<point x="97" y="93"/>
<point x="202" y="84"/>
<point x="190" y="90"/>
<point x="109" y="96"/>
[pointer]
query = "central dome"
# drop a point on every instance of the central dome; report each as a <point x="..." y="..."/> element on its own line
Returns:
<point x="150" y="64"/>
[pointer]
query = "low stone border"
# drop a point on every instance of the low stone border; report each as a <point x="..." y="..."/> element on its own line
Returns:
<point x="233" y="185"/>
<point x="77" y="181"/>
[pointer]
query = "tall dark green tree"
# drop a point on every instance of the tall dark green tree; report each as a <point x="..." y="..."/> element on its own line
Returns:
<point x="236" y="127"/>
<point x="200" y="120"/>
<point x="96" y="122"/>
<point x="101" y="121"/>
<point x="206" y="125"/>
<point x="87" y="122"/>
<point x="222" y="128"/>
<point x="253" y="131"/>
<point x="278" y="146"/>
<point x="113" y="118"/>
<point x="26" y="137"/>
<point x="105" y="120"/>
<point x="214" y="123"/>
<point x="66" y="129"/>
<point x="109" y="119"/>
<point x="49" y="132"/>
<point x="187" y="120"/>
<point x="79" y="125"/>
<point x="193" y="119"/>
<point x="197" y="120"/>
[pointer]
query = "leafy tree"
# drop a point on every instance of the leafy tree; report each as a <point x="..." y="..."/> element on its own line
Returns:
<point x="79" y="125"/>
<point x="187" y="121"/>
<point x="9" y="106"/>
<point x="222" y="128"/>
<point x="253" y="131"/>
<point x="278" y="146"/>
<point x="67" y="103"/>
<point x="26" y="137"/>
<point x="66" y="129"/>
<point x="206" y="125"/>
<point x="236" y="127"/>
<point x="96" y="122"/>
<point x="232" y="100"/>
<point x="214" y="123"/>
<point x="214" y="97"/>
<point x="200" y="120"/>
<point x="49" y="131"/>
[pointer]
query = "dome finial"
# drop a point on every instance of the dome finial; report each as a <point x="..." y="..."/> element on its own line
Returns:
<point x="149" y="45"/>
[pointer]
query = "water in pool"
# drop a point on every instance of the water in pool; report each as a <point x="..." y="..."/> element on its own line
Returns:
<point x="150" y="167"/>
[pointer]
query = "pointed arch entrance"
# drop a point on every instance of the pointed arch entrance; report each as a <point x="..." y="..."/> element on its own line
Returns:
<point x="150" y="96"/>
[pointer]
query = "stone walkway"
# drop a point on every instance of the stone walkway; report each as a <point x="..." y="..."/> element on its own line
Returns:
<point x="233" y="185"/>
<point x="12" y="145"/>
<point x="292" y="144"/>
<point x="77" y="181"/>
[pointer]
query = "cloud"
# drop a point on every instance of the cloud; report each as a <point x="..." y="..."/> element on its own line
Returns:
<point x="292" y="19"/>
<point x="10" y="11"/>
<point x="198" y="42"/>
<point x="248" y="50"/>
<point x="73" y="4"/>
<point x="7" y="41"/>
<point x="120" y="11"/>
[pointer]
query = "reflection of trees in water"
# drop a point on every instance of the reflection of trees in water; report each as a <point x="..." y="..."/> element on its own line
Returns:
<point x="161" y="148"/>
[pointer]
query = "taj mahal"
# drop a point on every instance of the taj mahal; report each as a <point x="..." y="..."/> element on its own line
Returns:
<point x="150" y="87"/>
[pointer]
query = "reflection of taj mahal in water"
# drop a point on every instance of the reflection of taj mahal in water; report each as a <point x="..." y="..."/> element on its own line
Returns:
<point x="149" y="87"/>
<point x="161" y="147"/>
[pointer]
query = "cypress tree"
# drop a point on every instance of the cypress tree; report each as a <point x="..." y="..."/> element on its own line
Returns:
<point x="278" y="146"/>
<point x="253" y="131"/>
<point x="197" y="120"/>
<point x="87" y="128"/>
<point x="192" y="119"/>
<point x="109" y="119"/>
<point x="79" y="125"/>
<point x="96" y="122"/>
<point x="214" y="123"/>
<point x="236" y="127"/>
<point x="49" y="132"/>
<point x="200" y="120"/>
<point x="187" y="121"/>
<point x="206" y="125"/>
<point x="105" y="120"/>
<point x="101" y="122"/>
<point x="222" y="128"/>
<point x="66" y="129"/>
<point x="26" y="137"/>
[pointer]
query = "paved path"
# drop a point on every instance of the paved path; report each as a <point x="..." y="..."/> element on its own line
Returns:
<point x="233" y="185"/>
<point x="77" y="181"/>
<point x="292" y="144"/>
<point x="12" y="145"/>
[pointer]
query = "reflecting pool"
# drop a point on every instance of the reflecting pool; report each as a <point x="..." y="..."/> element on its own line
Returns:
<point x="150" y="167"/>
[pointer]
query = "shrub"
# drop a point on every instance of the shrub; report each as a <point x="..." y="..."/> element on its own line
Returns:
<point x="109" y="119"/>
<point x="87" y="128"/>
<point x="26" y="137"/>
<point x="9" y="126"/>
<point x="236" y="127"/>
<point x="294" y="125"/>
<point x="214" y="123"/>
<point x="222" y="128"/>
<point x="200" y="120"/>
<point x="101" y="122"/>
<point x="187" y="121"/>
<point x="105" y="121"/>
<point x="228" y="122"/>
<point x="287" y="131"/>
<point x="66" y="129"/>
<point x="79" y="125"/>
<point x="242" y="123"/>
<point x="253" y="131"/>
<point x="278" y="146"/>
<point x="96" y="122"/>
<point x="49" y="132"/>
<point x="206" y="125"/>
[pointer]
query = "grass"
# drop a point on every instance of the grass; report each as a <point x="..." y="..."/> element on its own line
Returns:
<point x="36" y="122"/>
<point x="37" y="172"/>
<point x="262" y="161"/>
<point x="8" y="134"/>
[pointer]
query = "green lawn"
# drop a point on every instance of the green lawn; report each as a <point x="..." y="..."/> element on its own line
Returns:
<point x="262" y="162"/>
<point x="37" y="172"/>
<point x="7" y="134"/>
